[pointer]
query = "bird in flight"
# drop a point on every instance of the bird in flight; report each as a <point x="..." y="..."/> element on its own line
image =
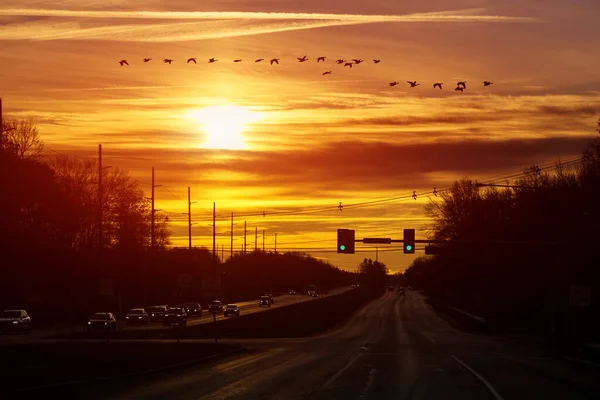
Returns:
<point x="212" y="60"/>
<point x="340" y="61"/>
<point x="357" y="61"/>
<point x="192" y="59"/>
<point x="376" y="61"/>
<point x="259" y="60"/>
<point x="463" y="84"/>
<point x="238" y="60"/>
<point x="348" y="65"/>
<point x="438" y="85"/>
<point x="459" y="89"/>
<point x="274" y="60"/>
<point x="147" y="59"/>
<point x="393" y="83"/>
<point x="167" y="61"/>
<point x="327" y="73"/>
<point x="123" y="62"/>
<point x="413" y="84"/>
<point x="487" y="83"/>
<point x="302" y="59"/>
<point x="321" y="59"/>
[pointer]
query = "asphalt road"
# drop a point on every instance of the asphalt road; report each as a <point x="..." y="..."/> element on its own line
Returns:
<point x="246" y="307"/>
<point x="394" y="348"/>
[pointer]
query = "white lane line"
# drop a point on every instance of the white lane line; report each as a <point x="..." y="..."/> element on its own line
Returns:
<point x="487" y="385"/>
<point x="341" y="371"/>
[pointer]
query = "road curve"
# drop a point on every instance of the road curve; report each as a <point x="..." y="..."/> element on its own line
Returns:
<point x="394" y="348"/>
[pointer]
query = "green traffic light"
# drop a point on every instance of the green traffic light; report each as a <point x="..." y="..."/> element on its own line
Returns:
<point x="408" y="247"/>
<point x="342" y="247"/>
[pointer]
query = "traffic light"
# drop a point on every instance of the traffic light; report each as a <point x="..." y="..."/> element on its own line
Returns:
<point x="409" y="241"/>
<point x="345" y="241"/>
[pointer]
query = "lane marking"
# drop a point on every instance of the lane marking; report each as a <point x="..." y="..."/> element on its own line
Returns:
<point x="487" y="385"/>
<point x="341" y="371"/>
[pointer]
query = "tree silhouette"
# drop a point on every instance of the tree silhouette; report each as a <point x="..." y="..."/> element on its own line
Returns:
<point x="21" y="138"/>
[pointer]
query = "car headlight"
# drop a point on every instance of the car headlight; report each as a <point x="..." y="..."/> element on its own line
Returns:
<point x="153" y="315"/>
<point x="126" y="317"/>
<point x="106" y="323"/>
<point x="15" y="322"/>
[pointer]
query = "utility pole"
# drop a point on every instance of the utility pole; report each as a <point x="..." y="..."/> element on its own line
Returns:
<point x="244" y="237"/>
<point x="222" y="255"/>
<point x="275" y="242"/>
<point x="152" y="214"/>
<point x="263" y="240"/>
<point x="189" y="219"/>
<point x="100" y="198"/>
<point x="1" y="129"/>
<point x="214" y="230"/>
<point x="231" y="254"/>
<point x="255" y="239"/>
<point x="376" y="254"/>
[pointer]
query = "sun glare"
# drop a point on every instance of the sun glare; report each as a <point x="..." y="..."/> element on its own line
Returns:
<point x="223" y="126"/>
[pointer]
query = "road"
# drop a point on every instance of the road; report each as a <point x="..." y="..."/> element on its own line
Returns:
<point x="394" y="348"/>
<point x="246" y="307"/>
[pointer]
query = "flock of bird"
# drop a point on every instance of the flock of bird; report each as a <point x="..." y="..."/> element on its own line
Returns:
<point x="460" y="86"/>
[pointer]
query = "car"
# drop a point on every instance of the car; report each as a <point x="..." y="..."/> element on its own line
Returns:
<point x="270" y="297"/>
<point x="15" y="320"/>
<point x="231" y="309"/>
<point x="216" y="307"/>
<point x="193" y="309"/>
<point x="292" y="292"/>
<point x="264" y="301"/>
<point x="176" y="316"/>
<point x="137" y="316"/>
<point x="157" y="313"/>
<point x="102" y="321"/>
<point x="391" y="288"/>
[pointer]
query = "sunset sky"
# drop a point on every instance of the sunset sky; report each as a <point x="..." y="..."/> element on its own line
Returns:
<point x="287" y="140"/>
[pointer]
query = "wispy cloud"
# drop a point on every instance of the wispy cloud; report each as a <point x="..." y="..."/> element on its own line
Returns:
<point x="91" y="25"/>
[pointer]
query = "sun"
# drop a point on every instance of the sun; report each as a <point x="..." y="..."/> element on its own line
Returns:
<point x="223" y="126"/>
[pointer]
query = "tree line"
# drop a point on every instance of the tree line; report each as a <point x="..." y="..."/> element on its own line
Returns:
<point x="517" y="253"/>
<point x="54" y="265"/>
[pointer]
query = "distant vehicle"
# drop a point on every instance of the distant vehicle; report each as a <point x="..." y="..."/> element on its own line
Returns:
<point x="312" y="288"/>
<point x="314" y="294"/>
<point x="193" y="309"/>
<point x="231" y="309"/>
<point x="137" y="316"/>
<point x="264" y="301"/>
<point x="391" y="288"/>
<point x="292" y="292"/>
<point x="270" y="297"/>
<point x="176" y="316"/>
<point x="157" y="313"/>
<point x="102" y="321"/>
<point x="216" y="307"/>
<point x="15" y="320"/>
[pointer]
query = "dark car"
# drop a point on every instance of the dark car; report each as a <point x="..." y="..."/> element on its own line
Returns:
<point x="270" y="297"/>
<point x="102" y="321"/>
<point x="231" y="309"/>
<point x="264" y="301"/>
<point x="137" y="316"/>
<point x="157" y="313"/>
<point x="216" y="307"/>
<point x="15" y="320"/>
<point x="193" y="309"/>
<point x="391" y="288"/>
<point x="176" y="316"/>
<point x="292" y="292"/>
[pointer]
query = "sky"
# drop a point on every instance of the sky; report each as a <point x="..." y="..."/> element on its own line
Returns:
<point x="282" y="145"/>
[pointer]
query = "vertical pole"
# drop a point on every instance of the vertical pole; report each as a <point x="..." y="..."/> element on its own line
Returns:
<point x="263" y="240"/>
<point x="1" y="129"/>
<point x="152" y="214"/>
<point x="376" y="253"/>
<point x="255" y="239"/>
<point x="189" y="219"/>
<point x="222" y="255"/>
<point x="231" y="253"/>
<point x="244" y="237"/>
<point x="214" y="230"/>
<point x="100" y="198"/>
<point x="276" y="242"/>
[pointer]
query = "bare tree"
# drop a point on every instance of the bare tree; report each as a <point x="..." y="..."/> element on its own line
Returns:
<point x="21" y="137"/>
